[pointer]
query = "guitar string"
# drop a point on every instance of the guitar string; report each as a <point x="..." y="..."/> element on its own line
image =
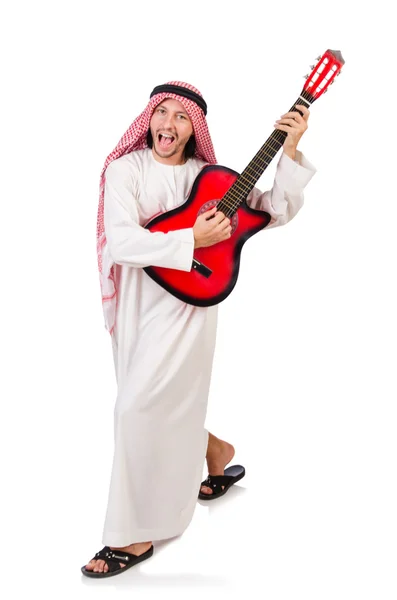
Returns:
<point x="254" y="163"/>
<point x="231" y="207"/>
<point x="240" y="184"/>
<point x="231" y="199"/>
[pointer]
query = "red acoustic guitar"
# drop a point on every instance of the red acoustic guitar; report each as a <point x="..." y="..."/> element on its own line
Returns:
<point x="215" y="268"/>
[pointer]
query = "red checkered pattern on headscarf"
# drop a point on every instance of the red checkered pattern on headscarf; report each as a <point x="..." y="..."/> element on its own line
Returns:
<point x="135" y="139"/>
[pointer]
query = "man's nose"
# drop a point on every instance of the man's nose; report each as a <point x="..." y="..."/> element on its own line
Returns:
<point x="169" y="122"/>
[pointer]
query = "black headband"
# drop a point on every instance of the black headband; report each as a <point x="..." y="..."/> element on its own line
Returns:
<point x="181" y="91"/>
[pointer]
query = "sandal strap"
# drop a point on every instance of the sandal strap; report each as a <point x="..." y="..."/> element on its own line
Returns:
<point x="119" y="556"/>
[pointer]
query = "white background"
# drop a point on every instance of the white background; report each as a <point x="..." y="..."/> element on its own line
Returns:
<point x="304" y="373"/>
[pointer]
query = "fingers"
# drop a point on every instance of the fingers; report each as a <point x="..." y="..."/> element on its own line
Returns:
<point x="209" y="214"/>
<point x="218" y="226"/>
<point x="297" y="116"/>
<point x="219" y="218"/>
<point x="291" y="123"/>
<point x="214" y="215"/>
<point x="294" y="133"/>
<point x="304" y="109"/>
<point x="224" y="228"/>
<point x="227" y="232"/>
<point x="224" y="222"/>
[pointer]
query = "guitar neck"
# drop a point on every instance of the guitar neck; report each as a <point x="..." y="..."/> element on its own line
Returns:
<point x="249" y="177"/>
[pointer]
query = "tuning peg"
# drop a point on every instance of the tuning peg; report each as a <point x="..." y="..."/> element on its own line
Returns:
<point x="312" y="66"/>
<point x="318" y="57"/>
<point x="306" y="76"/>
<point x="338" y="73"/>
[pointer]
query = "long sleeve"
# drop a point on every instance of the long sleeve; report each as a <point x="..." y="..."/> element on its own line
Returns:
<point x="285" y="198"/>
<point x="130" y="244"/>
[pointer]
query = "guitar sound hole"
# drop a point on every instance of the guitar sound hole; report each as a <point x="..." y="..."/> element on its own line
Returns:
<point x="210" y="204"/>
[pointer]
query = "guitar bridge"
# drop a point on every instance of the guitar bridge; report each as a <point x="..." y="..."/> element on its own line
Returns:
<point x="200" y="268"/>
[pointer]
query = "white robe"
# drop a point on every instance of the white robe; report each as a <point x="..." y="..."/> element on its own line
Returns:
<point x="163" y="348"/>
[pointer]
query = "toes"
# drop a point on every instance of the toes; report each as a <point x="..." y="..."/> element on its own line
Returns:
<point x="99" y="566"/>
<point x="208" y="490"/>
<point x="103" y="565"/>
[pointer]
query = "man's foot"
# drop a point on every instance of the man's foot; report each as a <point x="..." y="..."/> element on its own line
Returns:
<point x="219" y="454"/>
<point x="99" y="566"/>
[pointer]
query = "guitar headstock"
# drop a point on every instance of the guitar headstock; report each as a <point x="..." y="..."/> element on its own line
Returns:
<point x="323" y="74"/>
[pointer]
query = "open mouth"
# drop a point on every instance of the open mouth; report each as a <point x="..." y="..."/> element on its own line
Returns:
<point x="165" y="140"/>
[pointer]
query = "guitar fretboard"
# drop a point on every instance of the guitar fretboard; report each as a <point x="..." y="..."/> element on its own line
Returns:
<point x="248" y="178"/>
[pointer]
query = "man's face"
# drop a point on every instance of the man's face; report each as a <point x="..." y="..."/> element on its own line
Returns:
<point x="171" y="128"/>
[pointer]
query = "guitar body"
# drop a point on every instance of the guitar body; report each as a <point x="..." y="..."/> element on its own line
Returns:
<point x="215" y="268"/>
<point x="213" y="281"/>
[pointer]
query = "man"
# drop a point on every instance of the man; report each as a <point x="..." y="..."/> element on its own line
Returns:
<point x="163" y="348"/>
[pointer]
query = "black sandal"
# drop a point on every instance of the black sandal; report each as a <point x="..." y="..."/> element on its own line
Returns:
<point x="215" y="482"/>
<point x="113" y="558"/>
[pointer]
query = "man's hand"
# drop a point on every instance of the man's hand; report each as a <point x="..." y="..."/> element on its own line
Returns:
<point x="208" y="231"/>
<point x="295" y="125"/>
